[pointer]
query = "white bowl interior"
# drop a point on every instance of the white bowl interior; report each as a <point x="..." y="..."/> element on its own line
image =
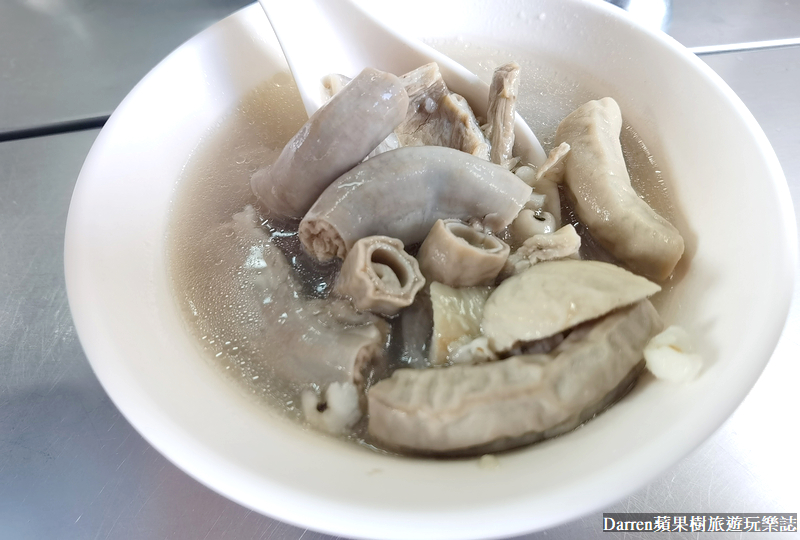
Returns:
<point x="721" y="168"/>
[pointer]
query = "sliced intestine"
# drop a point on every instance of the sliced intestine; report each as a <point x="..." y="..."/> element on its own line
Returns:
<point x="379" y="276"/>
<point x="489" y="407"/>
<point x="459" y="255"/>
<point x="336" y="137"/>
<point x="403" y="192"/>
<point x="599" y="186"/>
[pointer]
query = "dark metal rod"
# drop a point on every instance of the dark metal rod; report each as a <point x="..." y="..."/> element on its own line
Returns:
<point x="53" y="129"/>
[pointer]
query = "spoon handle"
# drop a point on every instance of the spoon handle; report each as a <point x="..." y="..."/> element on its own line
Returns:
<point x="320" y="37"/>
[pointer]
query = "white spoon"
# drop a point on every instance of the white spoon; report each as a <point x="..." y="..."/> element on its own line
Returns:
<point x="320" y="37"/>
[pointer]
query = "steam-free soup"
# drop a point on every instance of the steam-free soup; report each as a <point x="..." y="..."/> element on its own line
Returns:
<point x="222" y="299"/>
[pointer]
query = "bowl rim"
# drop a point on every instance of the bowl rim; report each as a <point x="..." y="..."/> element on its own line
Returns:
<point x="173" y="440"/>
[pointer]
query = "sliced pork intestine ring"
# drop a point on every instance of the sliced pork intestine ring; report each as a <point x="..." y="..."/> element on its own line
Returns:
<point x="458" y="255"/>
<point x="379" y="276"/>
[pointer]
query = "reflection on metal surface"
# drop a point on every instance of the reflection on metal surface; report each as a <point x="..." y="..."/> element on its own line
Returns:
<point x="714" y="22"/>
<point x="751" y="46"/>
<point x="62" y="60"/>
<point x="69" y="15"/>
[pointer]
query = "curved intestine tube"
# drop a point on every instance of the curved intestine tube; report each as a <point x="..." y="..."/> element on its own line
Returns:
<point x="561" y="244"/>
<point x="403" y="192"/>
<point x="379" y="276"/>
<point x="458" y="255"/>
<point x="336" y="137"/>
<point x="599" y="185"/>
<point x="489" y="407"/>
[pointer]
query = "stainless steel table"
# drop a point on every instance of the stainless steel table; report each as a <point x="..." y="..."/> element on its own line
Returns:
<point x="70" y="60"/>
<point x="70" y="465"/>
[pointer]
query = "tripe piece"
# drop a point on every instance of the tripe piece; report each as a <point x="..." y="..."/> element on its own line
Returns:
<point x="501" y="113"/>
<point x="552" y="296"/>
<point x="379" y="276"/>
<point x="561" y="244"/>
<point x="458" y="255"/>
<point x="403" y="192"/>
<point x="457" y="315"/>
<point x="336" y="137"/>
<point x="600" y="188"/>
<point x="475" y="409"/>
<point x="438" y="117"/>
<point x="426" y="88"/>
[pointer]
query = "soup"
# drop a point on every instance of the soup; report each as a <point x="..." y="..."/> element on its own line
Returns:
<point x="217" y="296"/>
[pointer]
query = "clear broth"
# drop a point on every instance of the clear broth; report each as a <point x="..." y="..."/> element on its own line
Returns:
<point x="216" y="184"/>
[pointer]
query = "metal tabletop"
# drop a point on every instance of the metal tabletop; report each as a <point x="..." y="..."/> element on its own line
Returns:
<point x="72" y="467"/>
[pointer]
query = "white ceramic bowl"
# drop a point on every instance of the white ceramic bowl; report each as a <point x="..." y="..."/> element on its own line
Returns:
<point x="734" y="296"/>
